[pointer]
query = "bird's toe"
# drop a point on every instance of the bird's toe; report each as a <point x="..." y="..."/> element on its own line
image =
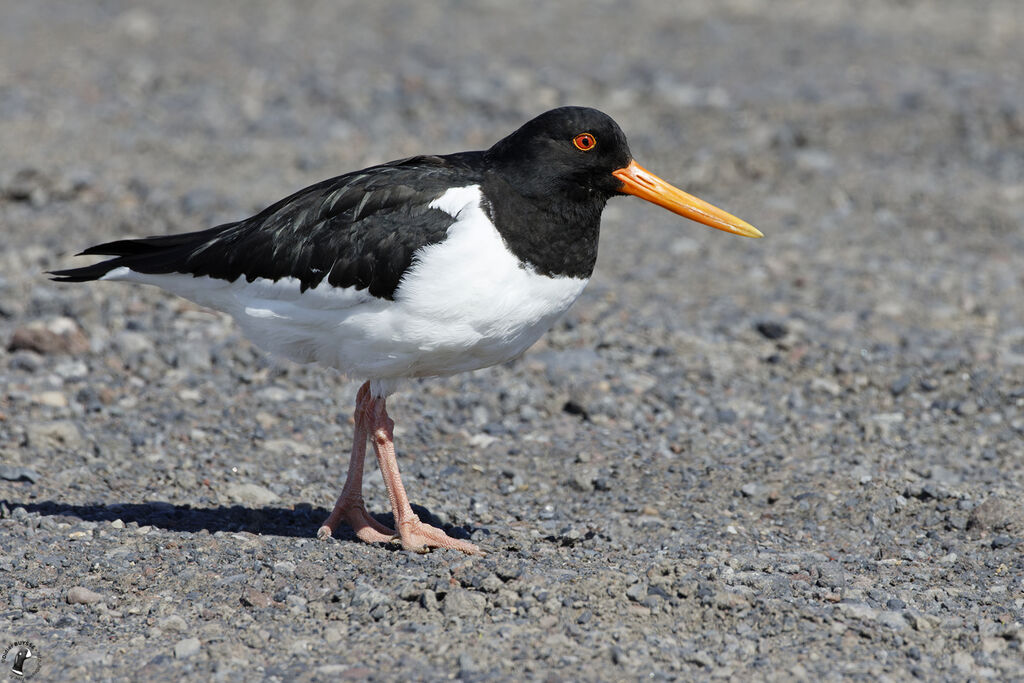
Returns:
<point x="353" y="512"/>
<point x="422" y="538"/>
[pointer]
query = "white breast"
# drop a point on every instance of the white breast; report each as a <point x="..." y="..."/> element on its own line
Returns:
<point x="468" y="302"/>
<point x="465" y="303"/>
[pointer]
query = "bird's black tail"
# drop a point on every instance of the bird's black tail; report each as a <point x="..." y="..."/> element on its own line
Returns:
<point x="164" y="254"/>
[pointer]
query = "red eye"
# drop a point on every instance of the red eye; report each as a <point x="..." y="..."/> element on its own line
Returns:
<point x="584" y="142"/>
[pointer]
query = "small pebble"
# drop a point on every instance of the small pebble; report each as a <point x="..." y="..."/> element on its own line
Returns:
<point x="255" y="598"/>
<point x="772" y="330"/>
<point x="188" y="647"/>
<point x="79" y="595"/>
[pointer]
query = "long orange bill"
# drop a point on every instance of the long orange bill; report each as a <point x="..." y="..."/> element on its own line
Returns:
<point x="638" y="181"/>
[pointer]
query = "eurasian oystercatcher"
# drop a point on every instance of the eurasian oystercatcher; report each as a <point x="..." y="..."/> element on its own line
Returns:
<point x="430" y="265"/>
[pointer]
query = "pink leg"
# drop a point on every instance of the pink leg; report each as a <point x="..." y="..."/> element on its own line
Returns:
<point x="350" y="507"/>
<point x="414" y="534"/>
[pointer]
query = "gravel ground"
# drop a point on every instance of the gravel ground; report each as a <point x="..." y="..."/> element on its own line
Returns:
<point x="797" y="458"/>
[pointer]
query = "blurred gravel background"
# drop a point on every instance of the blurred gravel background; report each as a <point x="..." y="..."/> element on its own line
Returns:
<point x="798" y="458"/>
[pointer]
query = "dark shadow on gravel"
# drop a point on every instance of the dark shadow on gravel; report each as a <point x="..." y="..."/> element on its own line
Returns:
<point x="302" y="521"/>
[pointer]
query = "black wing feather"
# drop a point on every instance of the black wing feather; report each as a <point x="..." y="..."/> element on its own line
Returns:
<point x="358" y="230"/>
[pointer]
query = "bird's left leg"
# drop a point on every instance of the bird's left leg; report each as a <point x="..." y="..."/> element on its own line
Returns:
<point x="350" y="506"/>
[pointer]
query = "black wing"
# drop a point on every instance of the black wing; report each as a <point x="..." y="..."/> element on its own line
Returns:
<point x="358" y="230"/>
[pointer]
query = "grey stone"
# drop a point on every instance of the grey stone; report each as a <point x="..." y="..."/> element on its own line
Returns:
<point x="80" y="595"/>
<point x="995" y="514"/>
<point x="368" y="597"/>
<point x="174" y="624"/>
<point x="252" y="494"/>
<point x="463" y="603"/>
<point x="187" y="647"/>
<point x="63" y="434"/>
<point x="12" y="473"/>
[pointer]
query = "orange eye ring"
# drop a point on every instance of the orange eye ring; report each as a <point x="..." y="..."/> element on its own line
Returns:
<point x="584" y="142"/>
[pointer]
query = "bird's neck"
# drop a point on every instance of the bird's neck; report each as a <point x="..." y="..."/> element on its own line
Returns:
<point x="555" y="236"/>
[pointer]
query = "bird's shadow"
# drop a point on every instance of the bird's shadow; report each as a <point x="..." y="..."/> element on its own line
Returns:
<point x="302" y="521"/>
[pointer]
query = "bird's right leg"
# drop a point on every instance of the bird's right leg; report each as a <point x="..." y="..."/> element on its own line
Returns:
<point x="414" y="534"/>
<point x="350" y="507"/>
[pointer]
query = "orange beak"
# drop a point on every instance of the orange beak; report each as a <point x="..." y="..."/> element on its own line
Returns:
<point x="638" y="181"/>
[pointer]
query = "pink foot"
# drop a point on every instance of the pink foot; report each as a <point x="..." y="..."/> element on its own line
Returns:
<point x="353" y="512"/>
<point x="420" y="537"/>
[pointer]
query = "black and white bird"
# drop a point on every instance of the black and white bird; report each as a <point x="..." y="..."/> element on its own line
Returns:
<point x="426" y="266"/>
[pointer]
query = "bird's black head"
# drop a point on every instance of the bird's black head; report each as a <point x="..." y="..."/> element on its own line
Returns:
<point x="569" y="152"/>
<point x="578" y="157"/>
